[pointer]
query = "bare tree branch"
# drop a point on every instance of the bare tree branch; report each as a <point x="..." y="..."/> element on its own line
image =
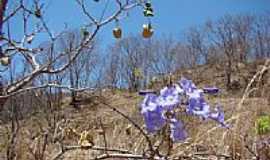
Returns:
<point x="3" y="4"/>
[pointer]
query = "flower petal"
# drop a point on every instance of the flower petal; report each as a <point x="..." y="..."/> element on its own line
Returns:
<point x="154" y="120"/>
<point x="210" y="90"/>
<point x="204" y="112"/>
<point x="187" y="85"/>
<point x="169" y="98"/>
<point x="218" y="116"/>
<point x="178" y="132"/>
<point x="152" y="113"/>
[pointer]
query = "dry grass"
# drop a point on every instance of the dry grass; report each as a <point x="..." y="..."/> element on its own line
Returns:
<point x="204" y="136"/>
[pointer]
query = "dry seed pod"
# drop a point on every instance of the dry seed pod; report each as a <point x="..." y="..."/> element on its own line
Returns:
<point x="5" y="61"/>
<point x="147" y="31"/>
<point x="117" y="32"/>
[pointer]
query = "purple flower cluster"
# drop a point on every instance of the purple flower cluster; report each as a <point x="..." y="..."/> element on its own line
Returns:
<point x="155" y="108"/>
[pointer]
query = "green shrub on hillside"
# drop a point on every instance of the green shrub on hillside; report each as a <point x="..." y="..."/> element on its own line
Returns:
<point x="263" y="125"/>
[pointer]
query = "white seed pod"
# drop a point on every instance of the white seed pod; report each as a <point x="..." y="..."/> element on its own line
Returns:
<point x="5" y="61"/>
<point x="30" y="38"/>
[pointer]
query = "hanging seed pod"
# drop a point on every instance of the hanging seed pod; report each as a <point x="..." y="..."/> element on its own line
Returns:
<point x="30" y="38"/>
<point x="147" y="31"/>
<point x="148" y="10"/>
<point x="5" y="61"/>
<point x="117" y="32"/>
<point x="148" y="13"/>
<point x="37" y="12"/>
<point x="148" y="4"/>
<point x="84" y="32"/>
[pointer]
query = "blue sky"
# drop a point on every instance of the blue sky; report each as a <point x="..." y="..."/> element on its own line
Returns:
<point x="172" y="17"/>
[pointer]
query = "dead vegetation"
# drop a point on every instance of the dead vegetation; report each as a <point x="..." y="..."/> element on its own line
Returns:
<point x="38" y="122"/>
<point x="106" y="131"/>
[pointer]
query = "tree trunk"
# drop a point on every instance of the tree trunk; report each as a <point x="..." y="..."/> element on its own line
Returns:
<point x="3" y="4"/>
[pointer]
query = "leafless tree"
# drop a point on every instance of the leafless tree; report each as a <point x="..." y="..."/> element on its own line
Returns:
<point x="131" y="55"/>
<point x="33" y="67"/>
<point x="11" y="47"/>
<point x="196" y="45"/>
<point x="223" y="36"/>
<point x="79" y="72"/>
<point x="163" y="55"/>
<point x="261" y="36"/>
<point x="112" y="65"/>
<point x="243" y="31"/>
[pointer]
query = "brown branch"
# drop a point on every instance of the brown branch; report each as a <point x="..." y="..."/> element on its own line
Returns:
<point x="11" y="14"/>
<point x="91" y="37"/>
<point x="120" y="156"/>
<point x="103" y="134"/>
<point x="104" y="10"/>
<point x="82" y="5"/>
<point x="53" y="85"/>
<point x="65" y="149"/>
<point x="76" y="53"/>
<point x="45" y="68"/>
<point x="117" y="13"/>
<point x="151" y="149"/>
<point x="97" y="148"/>
<point x="3" y="4"/>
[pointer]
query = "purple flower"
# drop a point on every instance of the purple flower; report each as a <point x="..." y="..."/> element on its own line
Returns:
<point x="178" y="89"/>
<point x="154" y="120"/>
<point x="196" y="93"/>
<point x="187" y="85"/>
<point x="145" y="92"/>
<point x="210" y="90"/>
<point x="153" y="113"/>
<point x="178" y="132"/>
<point x="169" y="90"/>
<point x="203" y="112"/>
<point x="169" y="97"/>
<point x="196" y="101"/>
<point x="192" y="102"/>
<point x="155" y="106"/>
<point x="218" y="116"/>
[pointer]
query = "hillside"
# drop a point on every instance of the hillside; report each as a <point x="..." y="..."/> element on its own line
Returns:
<point x="40" y="135"/>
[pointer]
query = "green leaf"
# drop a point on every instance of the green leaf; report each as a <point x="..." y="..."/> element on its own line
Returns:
<point x="263" y="125"/>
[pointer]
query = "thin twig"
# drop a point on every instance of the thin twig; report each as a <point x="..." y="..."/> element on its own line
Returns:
<point x="53" y="85"/>
<point x="104" y="135"/>
<point x="151" y="149"/>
